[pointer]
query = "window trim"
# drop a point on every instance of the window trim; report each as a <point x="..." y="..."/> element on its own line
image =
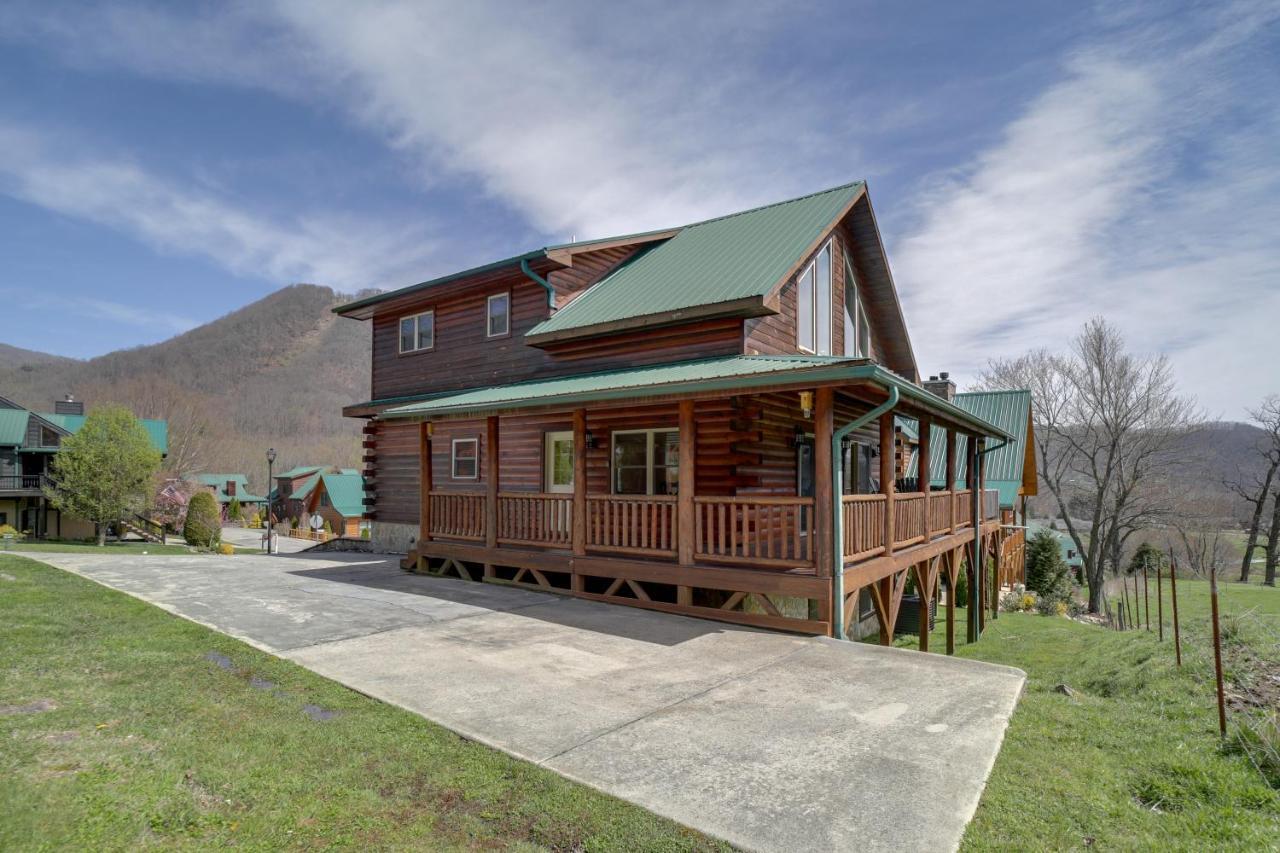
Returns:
<point x="648" y="457"/>
<point x="549" y="439"/>
<point x="813" y="301"/>
<point x="415" y="318"/>
<point x="505" y="333"/>
<point x="453" y="458"/>
<point x="861" y="328"/>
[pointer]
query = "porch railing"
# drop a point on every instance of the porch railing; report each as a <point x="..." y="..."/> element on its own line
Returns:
<point x="22" y="482"/>
<point x="863" y="525"/>
<point x="764" y="530"/>
<point x="632" y="524"/>
<point x="939" y="512"/>
<point x="964" y="511"/>
<point x="533" y="518"/>
<point x="458" y="515"/>
<point x="908" y="518"/>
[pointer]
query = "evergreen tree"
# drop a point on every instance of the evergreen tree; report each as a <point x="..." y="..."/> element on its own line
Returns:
<point x="105" y="472"/>
<point x="203" y="528"/>
<point x="234" y="513"/>
<point x="1146" y="557"/>
<point x="1046" y="570"/>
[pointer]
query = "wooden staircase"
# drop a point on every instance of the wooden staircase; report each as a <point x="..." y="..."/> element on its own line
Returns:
<point x="139" y="525"/>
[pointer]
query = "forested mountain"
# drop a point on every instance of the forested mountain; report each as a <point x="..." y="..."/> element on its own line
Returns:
<point x="274" y="373"/>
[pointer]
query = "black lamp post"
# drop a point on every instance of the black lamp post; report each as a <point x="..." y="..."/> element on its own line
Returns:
<point x="271" y="460"/>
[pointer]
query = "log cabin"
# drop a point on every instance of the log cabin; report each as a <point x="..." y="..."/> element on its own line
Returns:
<point x="697" y="420"/>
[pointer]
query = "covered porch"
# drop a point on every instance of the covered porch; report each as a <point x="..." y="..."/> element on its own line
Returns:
<point x="706" y="488"/>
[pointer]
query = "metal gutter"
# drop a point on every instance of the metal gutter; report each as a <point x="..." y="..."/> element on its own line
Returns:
<point x="837" y="505"/>
<point x="546" y="285"/>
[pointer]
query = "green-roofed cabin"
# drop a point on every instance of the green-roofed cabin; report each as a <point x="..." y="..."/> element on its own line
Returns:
<point x="338" y="498"/>
<point x="231" y="487"/>
<point x="29" y="441"/>
<point x="648" y="420"/>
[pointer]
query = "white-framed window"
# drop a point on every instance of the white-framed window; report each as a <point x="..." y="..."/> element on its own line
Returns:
<point x="813" y="305"/>
<point x="646" y="461"/>
<point x="465" y="459"/>
<point x="498" y="315"/>
<point x="857" y="331"/>
<point x="558" y="461"/>
<point x="418" y="332"/>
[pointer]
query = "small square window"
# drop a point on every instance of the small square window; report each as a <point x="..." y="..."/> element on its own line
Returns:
<point x="499" y="315"/>
<point x="466" y="458"/>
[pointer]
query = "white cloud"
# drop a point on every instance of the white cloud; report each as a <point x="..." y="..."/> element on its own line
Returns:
<point x="1143" y="186"/>
<point x="339" y="250"/>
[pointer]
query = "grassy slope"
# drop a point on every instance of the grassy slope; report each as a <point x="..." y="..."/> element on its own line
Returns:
<point x="1133" y="759"/>
<point x="152" y="743"/>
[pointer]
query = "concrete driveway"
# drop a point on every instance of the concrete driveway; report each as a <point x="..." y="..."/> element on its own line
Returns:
<point x="770" y="741"/>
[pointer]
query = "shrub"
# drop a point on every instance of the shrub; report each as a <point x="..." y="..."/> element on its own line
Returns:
<point x="364" y="533"/>
<point x="202" y="528"/>
<point x="226" y="549"/>
<point x="255" y="520"/>
<point x="9" y="530"/>
<point x="1046" y="570"/>
<point x="234" y="511"/>
<point x="328" y="528"/>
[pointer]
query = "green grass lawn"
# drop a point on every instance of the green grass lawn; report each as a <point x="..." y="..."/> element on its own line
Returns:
<point x="162" y="732"/>
<point x="69" y="547"/>
<point x="1133" y="760"/>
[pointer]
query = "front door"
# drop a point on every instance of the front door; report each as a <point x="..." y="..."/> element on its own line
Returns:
<point x="558" y="462"/>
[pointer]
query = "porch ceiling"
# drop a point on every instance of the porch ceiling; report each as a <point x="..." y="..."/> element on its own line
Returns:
<point x="726" y="373"/>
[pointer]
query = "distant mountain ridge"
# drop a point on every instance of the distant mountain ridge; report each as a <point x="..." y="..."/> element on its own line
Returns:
<point x="275" y="373"/>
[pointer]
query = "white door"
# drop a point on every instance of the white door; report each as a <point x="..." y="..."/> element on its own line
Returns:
<point x="558" y="462"/>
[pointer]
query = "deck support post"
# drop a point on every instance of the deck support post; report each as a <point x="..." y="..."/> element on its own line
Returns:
<point x="491" y="483"/>
<point x="975" y="604"/>
<point x="579" y="517"/>
<point x="823" y="496"/>
<point x="924" y="586"/>
<point x="952" y="564"/>
<point x="424" y="486"/>
<point x="925" y="425"/>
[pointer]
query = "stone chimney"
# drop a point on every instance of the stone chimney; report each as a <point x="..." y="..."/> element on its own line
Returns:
<point x="942" y="386"/>
<point x="69" y="406"/>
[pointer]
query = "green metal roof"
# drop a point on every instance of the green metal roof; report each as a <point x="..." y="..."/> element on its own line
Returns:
<point x="300" y="470"/>
<point x="733" y="372"/>
<point x="13" y="427"/>
<point x="305" y="487"/>
<point x="219" y="484"/>
<point x="1009" y="410"/>
<point x="346" y="493"/>
<point x="718" y="261"/>
<point x="157" y="430"/>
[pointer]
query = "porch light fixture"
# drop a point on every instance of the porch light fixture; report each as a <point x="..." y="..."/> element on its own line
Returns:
<point x="589" y="441"/>
<point x="806" y="403"/>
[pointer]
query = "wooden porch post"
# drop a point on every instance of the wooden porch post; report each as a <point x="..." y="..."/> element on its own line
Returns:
<point x="491" y="484"/>
<point x="424" y="487"/>
<point x="953" y="563"/>
<point x="923" y="475"/>
<point x="888" y="454"/>
<point x="951" y="475"/>
<point x="579" y="482"/>
<point x="976" y="615"/>
<point x="684" y="497"/>
<point x="823" y="499"/>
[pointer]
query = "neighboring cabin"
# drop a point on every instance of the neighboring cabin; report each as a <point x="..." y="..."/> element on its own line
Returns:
<point x="28" y="443"/>
<point x="229" y="487"/>
<point x="339" y="499"/>
<point x="294" y="490"/>
<point x="648" y="420"/>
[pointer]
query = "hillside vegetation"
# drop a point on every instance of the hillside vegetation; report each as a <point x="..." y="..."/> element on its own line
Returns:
<point x="274" y="373"/>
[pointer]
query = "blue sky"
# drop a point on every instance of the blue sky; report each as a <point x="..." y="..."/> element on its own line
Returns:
<point x="1031" y="164"/>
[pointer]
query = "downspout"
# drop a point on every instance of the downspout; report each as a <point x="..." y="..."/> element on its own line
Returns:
<point x="533" y="276"/>
<point x="837" y="507"/>
<point x="977" y="593"/>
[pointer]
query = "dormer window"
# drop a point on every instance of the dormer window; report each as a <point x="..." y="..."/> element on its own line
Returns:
<point x="499" y="315"/>
<point x="418" y="332"/>
<point x="813" y="305"/>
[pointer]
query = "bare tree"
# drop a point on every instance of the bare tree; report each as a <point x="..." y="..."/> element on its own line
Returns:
<point x="197" y="432"/>
<point x="1273" y="541"/>
<point x="1255" y="484"/>
<point x="1197" y="530"/>
<point x="1107" y="425"/>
